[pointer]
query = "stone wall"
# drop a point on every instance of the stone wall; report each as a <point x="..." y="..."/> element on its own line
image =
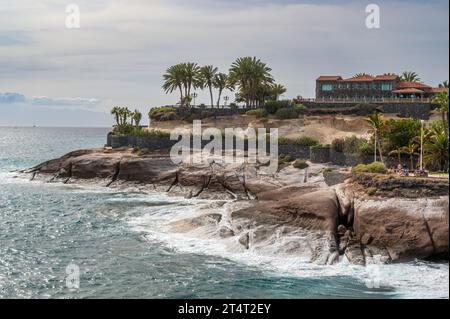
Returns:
<point x="314" y="154"/>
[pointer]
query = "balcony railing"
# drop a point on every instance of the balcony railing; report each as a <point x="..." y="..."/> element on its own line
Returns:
<point x="369" y="100"/>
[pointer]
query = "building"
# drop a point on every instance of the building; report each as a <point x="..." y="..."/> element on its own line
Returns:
<point x="372" y="88"/>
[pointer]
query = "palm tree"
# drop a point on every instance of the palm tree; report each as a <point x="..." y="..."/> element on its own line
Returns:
<point x="137" y="117"/>
<point x="436" y="147"/>
<point x="410" y="77"/>
<point x="191" y="78"/>
<point x="173" y="80"/>
<point x="377" y="125"/>
<point x="410" y="150"/>
<point x="207" y="76"/>
<point x="115" y="111"/>
<point x="358" y="75"/>
<point x="278" y="90"/>
<point x="444" y="85"/>
<point x="221" y="83"/>
<point x="442" y="100"/>
<point x="249" y="74"/>
<point x="397" y="152"/>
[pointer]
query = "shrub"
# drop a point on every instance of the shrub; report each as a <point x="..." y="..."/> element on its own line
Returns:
<point x="328" y="170"/>
<point x="259" y="113"/>
<point x="338" y="145"/>
<point x="306" y="141"/>
<point x="361" y="168"/>
<point x="371" y="191"/>
<point x="300" y="164"/>
<point x="273" y="106"/>
<point x="352" y="145"/>
<point x="286" y="158"/>
<point x="300" y="108"/>
<point x="286" y="113"/>
<point x="164" y="113"/>
<point x="377" y="167"/>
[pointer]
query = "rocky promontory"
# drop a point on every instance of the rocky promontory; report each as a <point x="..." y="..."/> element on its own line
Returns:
<point x="296" y="211"/>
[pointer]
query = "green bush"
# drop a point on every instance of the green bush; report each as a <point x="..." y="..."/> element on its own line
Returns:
<point x="300" y="164"/>
<point x="164" y="113"/>
<point x="273" y="106"/>
<point x="306" y="141"/>
<point x="377" y="167"/>
<point x="286" y="114"/>
<point x="328" y="170"/>
<point x="259" y="113"/>
<point x="286" y="158"/>
<point x="300" y="108"/>
<point x="361" y="168"/>
<point x="372" y="191"/>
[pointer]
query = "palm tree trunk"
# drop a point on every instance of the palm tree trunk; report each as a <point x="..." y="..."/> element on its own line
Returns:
<point x="211" y="94"/>
<point x="445" y="123"/>
<point x="181" y="93"/>
<point x="218" y="100"/>
<point x="412" y="161"/>
<point x="380" y="151"/>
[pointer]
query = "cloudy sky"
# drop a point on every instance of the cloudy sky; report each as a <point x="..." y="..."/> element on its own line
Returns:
<point x="54" y="76"/>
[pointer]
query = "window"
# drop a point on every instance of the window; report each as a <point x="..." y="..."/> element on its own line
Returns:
<point x="386" y="86"/>
<point x="327" y="87"/>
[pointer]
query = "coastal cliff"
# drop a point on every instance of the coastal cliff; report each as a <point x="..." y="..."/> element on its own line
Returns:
<point x="294" y="212"/>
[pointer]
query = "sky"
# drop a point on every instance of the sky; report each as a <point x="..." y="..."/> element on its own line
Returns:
<point x="51" y="75"/>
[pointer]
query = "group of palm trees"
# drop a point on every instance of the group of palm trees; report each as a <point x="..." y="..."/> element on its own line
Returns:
<point x="248" y="75"/>
<point x="123" y="114"/>
<point x="435" y="138"/>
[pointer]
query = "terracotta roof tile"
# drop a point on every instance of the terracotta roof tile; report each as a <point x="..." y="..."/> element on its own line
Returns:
<point x="439" y="90"/>
<point x="412" y="85"/>
<point x="386" y="77"/>
<point x="364" y="78"/>
<point x="329" y="78"/>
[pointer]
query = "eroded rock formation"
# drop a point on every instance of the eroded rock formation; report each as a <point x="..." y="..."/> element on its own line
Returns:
<point x="311" y="220"/>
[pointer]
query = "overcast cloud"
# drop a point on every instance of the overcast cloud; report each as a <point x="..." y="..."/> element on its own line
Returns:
<point x="122" y="49"/>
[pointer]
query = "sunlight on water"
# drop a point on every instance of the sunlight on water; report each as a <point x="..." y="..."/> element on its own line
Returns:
<point x="123" y="248"/>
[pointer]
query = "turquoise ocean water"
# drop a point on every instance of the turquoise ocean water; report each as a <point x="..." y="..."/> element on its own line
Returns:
<point x="122" y="251"/>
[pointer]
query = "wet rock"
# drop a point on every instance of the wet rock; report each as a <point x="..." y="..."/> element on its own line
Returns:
<point x="354" y="253"/>
<point x="225" y="232"/>
<point x="341" y="230"/>
<point x="244" y="240"/>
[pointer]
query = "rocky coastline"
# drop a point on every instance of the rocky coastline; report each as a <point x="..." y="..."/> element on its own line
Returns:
<point x="320" y="215"/>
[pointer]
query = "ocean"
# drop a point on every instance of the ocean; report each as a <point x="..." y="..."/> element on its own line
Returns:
<point x="119" y="244"/>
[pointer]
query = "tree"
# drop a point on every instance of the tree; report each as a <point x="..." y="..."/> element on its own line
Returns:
<point x="442" y="100"/>
<point x="249" y="74"/>
<point x="124" y="114"/>
<point x="137" y="117"/>
<point x="376" y="123"/>
<point x="174" y="80"/>
<point x="191" y="78"/>
<point x="278" y="90"/>
<point x="410" y="77"/>
<point x="436" y="147"/>
<point x="397" y="152"/>
<point x="221" y="82"/>
<point x="207" y="76"/>
<point x="410" y="150"/>
<point x="358" y="75"/>
<point x="400" y="133"/>
<point x="444" y="85"/>
<point x="115" y="111"/>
